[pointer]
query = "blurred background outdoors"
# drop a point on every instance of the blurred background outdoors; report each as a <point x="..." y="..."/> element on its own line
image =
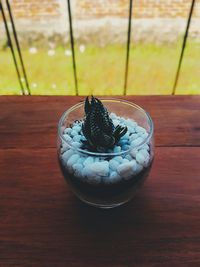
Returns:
<point x="100" y="32"/>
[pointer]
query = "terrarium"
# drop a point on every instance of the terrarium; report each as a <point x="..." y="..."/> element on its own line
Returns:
<point x="105" y="150"/>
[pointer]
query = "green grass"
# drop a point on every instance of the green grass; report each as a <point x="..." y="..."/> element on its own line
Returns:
<point x="101" y="70"/>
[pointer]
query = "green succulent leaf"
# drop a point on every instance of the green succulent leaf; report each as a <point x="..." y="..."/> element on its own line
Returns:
<point x="98" y="127"/>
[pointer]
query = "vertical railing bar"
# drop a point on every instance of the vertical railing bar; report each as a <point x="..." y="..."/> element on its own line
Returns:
<point x="18" y="46"/>
<point x="128" y="46"/>
<point x="11" y="47"/>
<point x="183" y="47"/>
<point x="72" y="46"/>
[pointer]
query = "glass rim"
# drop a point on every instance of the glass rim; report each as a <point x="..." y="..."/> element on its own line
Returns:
<point x="103" y="154"/>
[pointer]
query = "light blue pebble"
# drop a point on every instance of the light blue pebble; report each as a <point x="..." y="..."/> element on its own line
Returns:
<point x="118" y="158"/>
<point x="140" y="129"/>
<point x="77" y="167"/>
<point x="136" y="142"/>
<point x="96" y="159"/>
<point x="114" y="177"/>
<point x="67" y="130"/>
<point x="77" y="128"/>
<point x="73" y="133"/>
<point x="123" y="142"/>
<point x="117" y="149"/>
<point x="131" y="123"/>
<point x="113" y="164"/>
<point x="72" y="160"/>
<point x="66" y="155"/>
<point x="113" y="115"/>
<point x="125" y="147"/>
<point x="67" y="138"/>
<point x="88" y="161"/>
<point x="76" y="144"/>
<point x="125" y="160"/>
<point x="80" y="160"/>
<point x="116" y="122"/>
<point x="126" y="136"/>
<point x="133" y="137"/>
<point x="77" y="138"/>
<point x="128" y="157"/>
<point x="122" y="119"/>
<point x="131" y="129"/>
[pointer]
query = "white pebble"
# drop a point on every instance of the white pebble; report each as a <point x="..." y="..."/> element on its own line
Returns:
<point x="76" y="144"/>
<point x="136" y="142"/>
<point x="126" y="169"/>
<point x="142" y="159"/>
<point x="131" y="123"/>
<point x="122" y="119"/>
<point x="126" y="136"/>
<point x="125" y="147"/>
<point x="88" y="161"/>
<point x="133" y="137"/>
<point x="133" y="152"/>
<point x="125" y="160"/>
<point x="91" y="177"/>
<point x="144" y="152"/>
<point x="77" y="128"/>
<point x="116" y="122"/>
<point x="68" y="130"/>
<point x="77" y="138"/>
<point x="67" y="138"/>
<point x="113" y="164"/>
<point x="138" y="168"/>
<point x="64" y="147"/>
<point x="81" y="160"/>
<point x="73" y="133"/>
<point x="117" y="149"/>
<point x="123" y="142"/>
<point x="144" y="135"/>
<point x="113" y="178"/>
<point x="113" y="115"/>
<point x="94" y="179"/>
<point x="128" y="157"/>
<point x="145" y="146"/>
<point x="140" y="129"/>
<point x="118" y="158"/>
<point x="99" y="168"/>
<point x="96" y="159"/>
<point x="72" y="160"/>
<point x="131" y="129"/>
<point x="66" y="155"/>
<point x="77" y="167"/>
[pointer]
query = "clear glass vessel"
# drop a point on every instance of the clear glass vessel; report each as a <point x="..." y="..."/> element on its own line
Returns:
<point x="107" y="180"/>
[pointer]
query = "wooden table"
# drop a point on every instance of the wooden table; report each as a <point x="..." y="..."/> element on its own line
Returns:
<point x="43" y="224"/>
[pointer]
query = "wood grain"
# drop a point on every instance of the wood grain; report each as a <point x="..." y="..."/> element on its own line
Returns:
<point x="42" y="223"/>
<point x="31" y="122"/>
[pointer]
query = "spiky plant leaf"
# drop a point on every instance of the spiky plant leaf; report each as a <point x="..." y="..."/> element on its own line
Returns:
<point x="98" y="127"/>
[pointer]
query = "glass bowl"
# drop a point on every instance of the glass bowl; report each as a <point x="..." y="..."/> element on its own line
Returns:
<point x="106" y="180"/>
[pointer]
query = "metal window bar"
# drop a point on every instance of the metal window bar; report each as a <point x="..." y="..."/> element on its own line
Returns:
<point x="11" y="47"/>
<point x="128" y="47"/>
<point x="72" y="46"/>
<point x="183" y="47"/>
<point x="18" y="46"/>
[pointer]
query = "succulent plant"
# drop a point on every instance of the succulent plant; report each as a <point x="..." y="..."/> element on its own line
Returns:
<point x="98" y="128"/>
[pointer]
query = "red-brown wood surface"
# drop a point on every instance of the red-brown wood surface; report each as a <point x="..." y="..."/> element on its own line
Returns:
<point x="43" y="224"/>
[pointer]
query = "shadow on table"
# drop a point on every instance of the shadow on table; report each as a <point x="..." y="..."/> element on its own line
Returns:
<point x="116" y="221"/>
